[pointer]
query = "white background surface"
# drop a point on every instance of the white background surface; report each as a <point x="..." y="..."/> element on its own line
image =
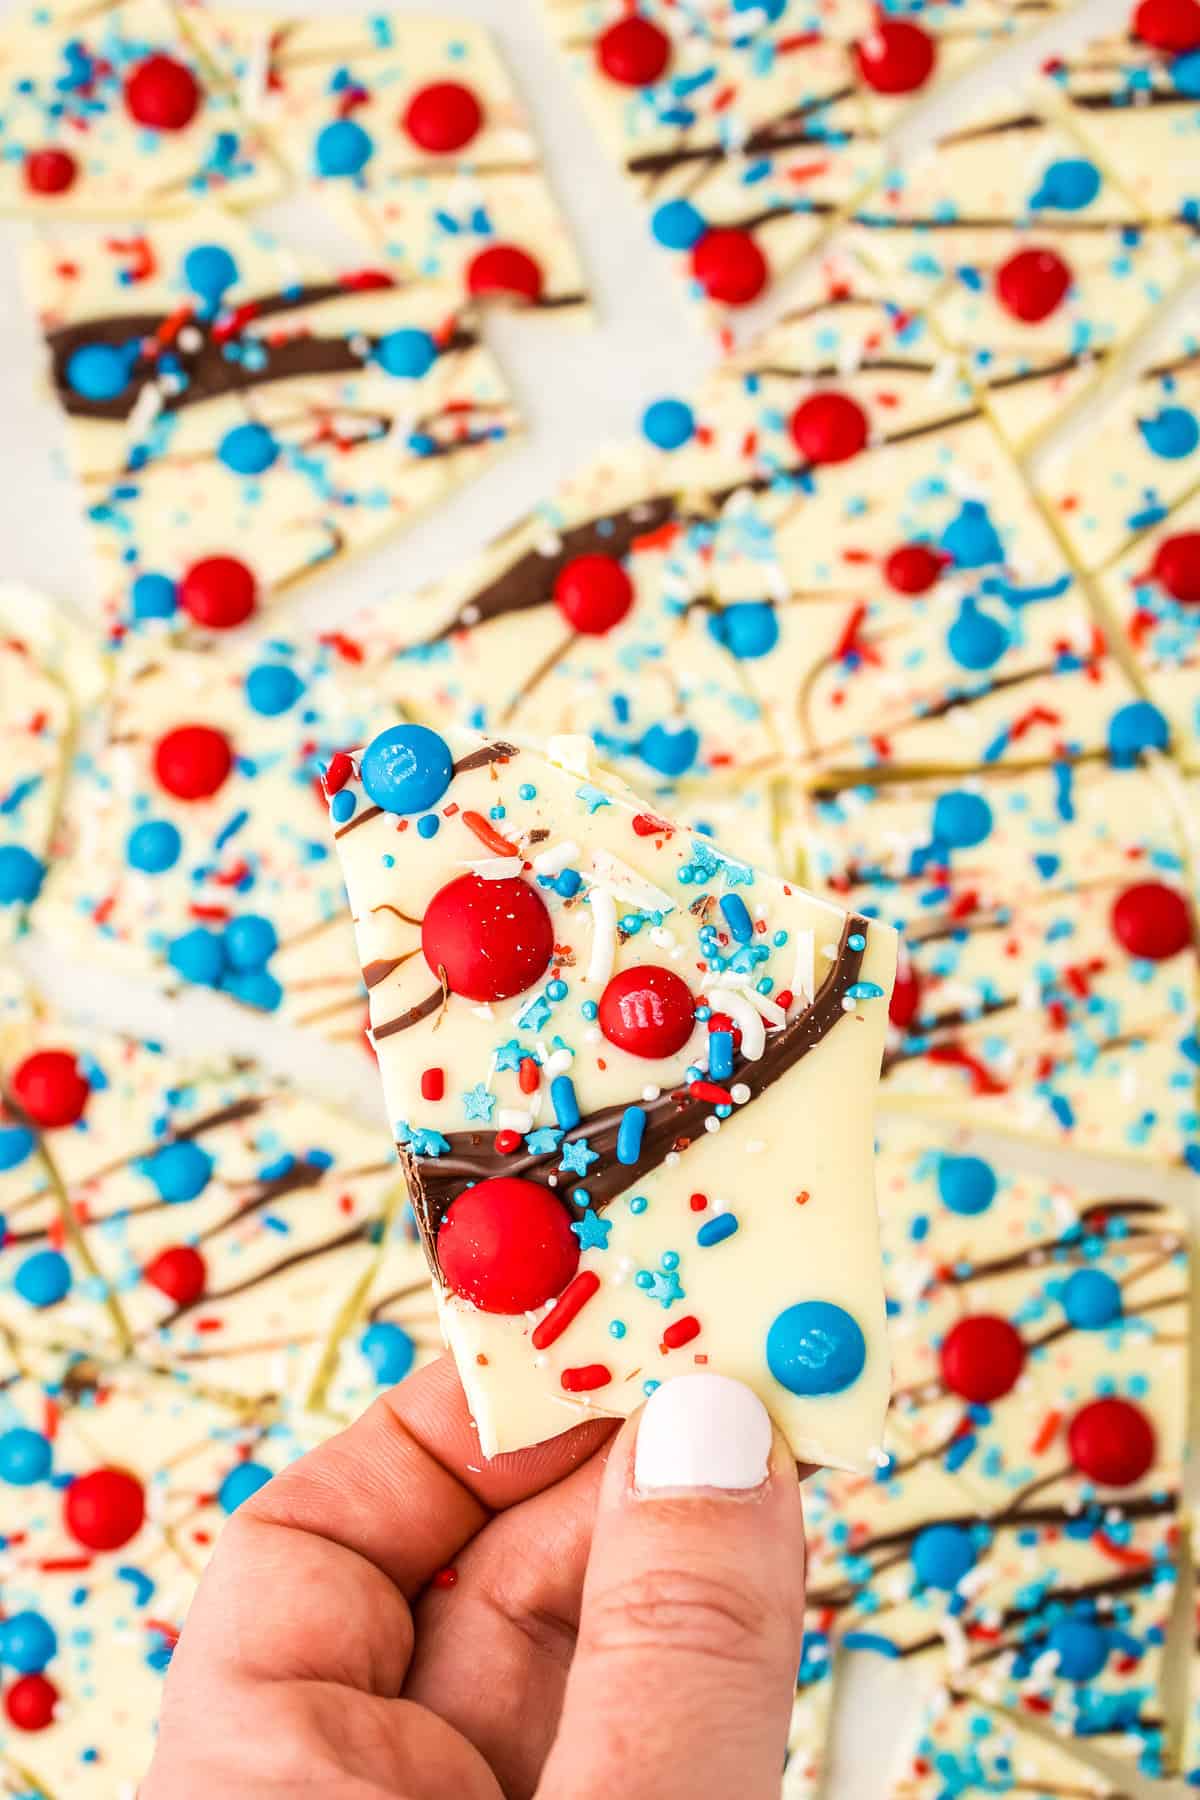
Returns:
<point x="577" y="388"/>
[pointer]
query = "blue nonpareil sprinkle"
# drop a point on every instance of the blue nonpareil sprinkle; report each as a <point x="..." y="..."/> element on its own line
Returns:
<point x="566" y="1106"/>
<point x="737" y="917"/>
<point x="716" y="1230"/>
<point x="629" y="1135"/>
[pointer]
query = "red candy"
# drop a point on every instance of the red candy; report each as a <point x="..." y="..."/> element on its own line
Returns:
<point x="50" y="171"/>
<point x="180" y="1273"/>
<point x="1152" y="920"/>
<point x="162" y="94"/>
<point x="1171" y="25"/>
<point x="593" y="593"/>
<point x="30" y="1703"/>
<point x="193" y="761"/>
<point x="1176" y="567"/>
<point x="507" y="1245"/>
<point x="896" y="57"/>
<point x="50" y="1089"/>
<point x="981" y="1358"/>
<point x="906" y="998"/>
<point x="1033" y="284"/>
<point x="503" y="271"/>
<point x="218" y="591"/>
<point x="494" y="939"/>
<point x="105" y="1509"/>
<point x="913" y="568"/>
<point x="1111" y="1441"/>
<point x="648" y="1011"/>
<point x="829" y="428"/>
<point x="633" y="52"/>
<point x="443" y="117"/>
<point x="730" y="267"/>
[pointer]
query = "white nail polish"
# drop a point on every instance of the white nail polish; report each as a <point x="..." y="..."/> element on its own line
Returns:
<point x="702" y="1431"/>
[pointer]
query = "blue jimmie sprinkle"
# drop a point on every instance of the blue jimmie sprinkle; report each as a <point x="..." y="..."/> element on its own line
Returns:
<point x="737" y="917"/>
<point x="566" y="1106"/>
<point x="720" y="1055"/>
<point x="716" y="1230"/>
<point x="629" y="1134"/>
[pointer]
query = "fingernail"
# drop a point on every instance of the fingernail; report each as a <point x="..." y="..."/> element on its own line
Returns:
<point x="702" y="1431"/>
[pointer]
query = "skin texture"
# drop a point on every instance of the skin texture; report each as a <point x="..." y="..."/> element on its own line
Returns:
<point x="595" y="1641"/>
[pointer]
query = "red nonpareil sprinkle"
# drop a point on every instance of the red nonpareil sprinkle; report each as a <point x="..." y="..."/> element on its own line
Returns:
<point x="529" y="1075"/>
<point x="338" y="773"/>
<point x="433" y="1083"/>
<point x="445" y="1578"/>
<point x="681" y="1332"/>
<point x="698" y="1202"/>
<point x="584" y="1380"/>
<point x="803" y="1197"/>
<point x="784" y="998"/>
<point x="488" y="836"/>
<point x="710" y="1091"/>
<point x="505" y="1142"/>
<point x="568" y="1306"/>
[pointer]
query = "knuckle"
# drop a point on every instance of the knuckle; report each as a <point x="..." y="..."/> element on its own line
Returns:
<point x="682" y="1610"/>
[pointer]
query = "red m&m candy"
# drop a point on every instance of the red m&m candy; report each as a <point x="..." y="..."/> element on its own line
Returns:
<point x="1176" y="567"/>
<point x="507" y="1245"/>
<point x="1152" y="920"/>
<point x="218" y="591"/>
<point x="1111" y="1441"/>
<point x="50" y="1088"/>
<point x="1170" y="25"/>
<point x="1032" y="284"/>
<point x="981" y="1358"/>
<point x="633" y="52"/>
<point x="104" y="1509"/>
<point x="913" y="568"/>
<point x="648" y="1011"/>
<point x="593" y="593"/>
<point x="829" y="428"/>
<point x="193" y="761"/>
<point x="30" y="1703"/>
<point x="730" y="267"/>
<point x="162" y="94"/>
<point x="50" y="171"/>
<point x="896" y="57"/>
<point x="493" y="939"/>
<point x="443" y="117"/>
<point x="179" y="1272"/>
<point x="505" y="272"/>
<point x="906" y="997"/>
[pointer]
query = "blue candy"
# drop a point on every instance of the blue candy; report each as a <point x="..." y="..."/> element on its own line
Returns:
<point x="25" y="1456"/>
<point x="747" y="629"/>
<point x="27" y="1642"/>
<point x="669" y="424"/>
<point x="1081" y="1647"/>
<point x="16" y="1143"/>
<point x="670" y="750"/>
<point x="407" y="768"/>
<point x="240" y="1483"/>
<point x="389" y="1350"/>
<point x="677" y="225"/>
<point x="179" y="1172"/>
<point x="153" y="846"/>
<point x="272" y="689"/>
<point x="407" y="354"/>
<point x="971" y="539"/>
<point x="976" y="640"/>
<point x="153" y="597"/>
<point x="208" y="270"/>
<point x="961" y="820"/>
<point x="250" y="941"/>
<point x="343" y="148"/>
<point x="248" y="449"/>
<point x="43" y="1279"/>
<point x="100" y="371"/>
<point x="1133" y="728"/>
<point x="816" y="1347"/>
<point x="1068" y="185"/>
<point x="199" y="956"/>
<point x="942" y="1555"/>
<point x="967" y="1184"/>
<point x="254" y="987"/>
<point x="21" y="874"/>
<point x="1172" y="434"/>
<point x="1091" y="1300"/>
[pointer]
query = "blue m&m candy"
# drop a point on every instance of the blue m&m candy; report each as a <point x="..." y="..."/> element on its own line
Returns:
<point x="43" y="1279"/>
<point x="179" y="1171"/>
<point x="816" y="1347"/>
<point x="153" y="846"/>
<point x="343" y="148"/>
<point x="240" y="1483"/>
<point x="388" y="1349"/>
<point x="407" y="768"/>
<point x="21" y="875"/>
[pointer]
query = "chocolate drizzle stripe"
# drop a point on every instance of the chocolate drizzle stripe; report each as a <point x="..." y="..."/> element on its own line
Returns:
<point x="495" y="752"/>
<point x="363" y="818"/>
<point x="673" y="1122"/>
<point x="413" y="1016"/>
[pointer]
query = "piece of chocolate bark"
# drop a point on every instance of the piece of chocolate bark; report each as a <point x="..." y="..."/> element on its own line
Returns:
<point x="631" y="1080"/>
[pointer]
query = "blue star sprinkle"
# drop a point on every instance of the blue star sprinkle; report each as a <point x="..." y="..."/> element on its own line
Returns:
<point x="592" y="1231"/>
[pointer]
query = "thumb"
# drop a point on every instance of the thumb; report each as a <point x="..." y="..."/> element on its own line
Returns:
<point x="689" y="1640"/>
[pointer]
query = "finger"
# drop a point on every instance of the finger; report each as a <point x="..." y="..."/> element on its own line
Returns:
<point x="693" y="1605"/>
<point x="493" y="1652"/>
<point x="369" y="1517"/>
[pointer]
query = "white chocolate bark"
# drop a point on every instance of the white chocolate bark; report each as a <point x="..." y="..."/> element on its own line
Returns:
<point x="966" y="1749"/>
<point x="229" y="398"/>
<point x="46" y="674"/>
<point x="352" y="104"/>
<point x="81" y="85"/>
<point x="253" y="846"/>
<point x="1048" y="984"/>
<point x="1135" y="461"/>
<point x="1147" y="592"/>
<point x="611" y="1135"/>
<point x="961" y="224"/>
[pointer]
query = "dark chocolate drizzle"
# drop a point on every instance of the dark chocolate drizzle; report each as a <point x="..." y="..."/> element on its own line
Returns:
<point x="673" y="1122"/>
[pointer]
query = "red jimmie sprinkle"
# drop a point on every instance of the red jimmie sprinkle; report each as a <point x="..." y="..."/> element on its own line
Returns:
<point x="570" y="1303"/>
<point x="505" y="1142"/>
<point x="582" y="1381"/>
<point x="712" y="1092"/>
<point x="338" y="773"/>
<point x="698" y="1202"/>
<point x="433" y="1084"/>
<point x="486" y="835"/>
<point x="681" y="1332"/>
<point x="529" y="1075"/>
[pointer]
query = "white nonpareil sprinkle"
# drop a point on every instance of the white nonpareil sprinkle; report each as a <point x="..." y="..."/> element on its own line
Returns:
<point x="739" y="1093"/>
<point x="804" y="981"/>
<point x="556" y="857"/>
<point x="511" y="1118"/>
<point x="651" y="1092"/>
<point x="554" y="1062"/>
<point x="712" y="1123"/>
<point x="604" y="936"/>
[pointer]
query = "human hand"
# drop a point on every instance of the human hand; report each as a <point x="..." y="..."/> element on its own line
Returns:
<point x="625" y="1617"/>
